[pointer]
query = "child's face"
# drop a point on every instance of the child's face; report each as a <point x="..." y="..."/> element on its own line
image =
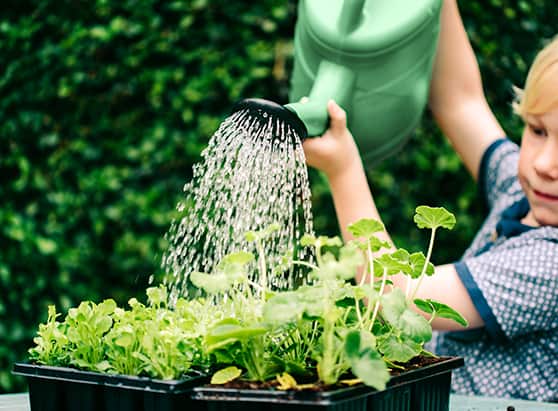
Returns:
<point x="538" y="167"/>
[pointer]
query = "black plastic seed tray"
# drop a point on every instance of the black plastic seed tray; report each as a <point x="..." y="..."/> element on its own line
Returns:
<point x="67" y="389"/>
<point x="422" y="389"/>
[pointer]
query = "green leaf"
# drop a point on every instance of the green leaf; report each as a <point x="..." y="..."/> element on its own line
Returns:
<point x="240" y="257"/>
<point x="424" y="305"/>
<point x="366" y="363"/>
<point x="308" y="240"/>
<point x="106" y="307"/>
<point x="124" y="340"/>
<point x="226" y="329"/>
<point x="210" y="283"/>
<point x="433" y="217"/>
<point x="325" y="241"/>
<point x="350" y="258"/>
<point x="398" y="313"/>
<point x="231" y="270"/>
<point x="226" y="375"/>
<point x="415" y="326"/>
<point x="283" y="308"/>
<point x="102" y="324"/>
<point x="440" y="310"/>
<point x="314" y="299"/>
<point x="399" y="349"/>
<point x="393" y="305"/>
<point x="352" y="344"/>
<point x="262" y="234"/>
<point x="102" y="366"/>
<point x="365" y="228"/>
<point x="157" y="295"/>
<point x="358" y="341"/>
<point x="416" y="261"/>
<point x="394" y="263"/>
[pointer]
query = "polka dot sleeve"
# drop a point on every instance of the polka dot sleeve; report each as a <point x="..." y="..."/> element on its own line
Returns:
<point x="514" y="286"/>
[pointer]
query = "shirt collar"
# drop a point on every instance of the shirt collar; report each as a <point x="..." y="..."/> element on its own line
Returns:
<point x="510" y="224"/>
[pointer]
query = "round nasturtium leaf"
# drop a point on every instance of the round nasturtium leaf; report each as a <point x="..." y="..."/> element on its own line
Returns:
<point x="226" y="375"/>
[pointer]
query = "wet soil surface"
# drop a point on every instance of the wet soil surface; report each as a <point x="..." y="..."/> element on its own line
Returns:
<point x="414" y="364"/>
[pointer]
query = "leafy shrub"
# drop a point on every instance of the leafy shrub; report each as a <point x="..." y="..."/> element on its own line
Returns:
<point x="106" y="105"/>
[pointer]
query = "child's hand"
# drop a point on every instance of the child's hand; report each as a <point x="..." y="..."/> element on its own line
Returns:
<point x="336" y="149"/>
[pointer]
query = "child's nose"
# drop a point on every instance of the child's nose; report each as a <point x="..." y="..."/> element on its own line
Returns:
<point x="546" y="161"/>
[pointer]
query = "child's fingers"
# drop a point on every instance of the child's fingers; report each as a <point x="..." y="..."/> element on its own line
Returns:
<point x="337" y="116"/>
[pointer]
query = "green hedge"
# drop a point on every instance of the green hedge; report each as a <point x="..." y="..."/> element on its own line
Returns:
<point x="105" y="106"/>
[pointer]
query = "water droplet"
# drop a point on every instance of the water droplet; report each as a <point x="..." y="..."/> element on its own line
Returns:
<point x="252" y="174"/>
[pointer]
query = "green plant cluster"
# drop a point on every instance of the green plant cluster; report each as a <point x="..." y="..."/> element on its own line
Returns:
<point x="144" y="340"/>
<point x="326" y="330"/>
<point x="105" y="105"/>
<point x="104" y="108"/>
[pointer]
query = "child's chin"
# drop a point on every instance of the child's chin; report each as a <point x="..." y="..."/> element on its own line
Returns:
<point x="546" y="217"/>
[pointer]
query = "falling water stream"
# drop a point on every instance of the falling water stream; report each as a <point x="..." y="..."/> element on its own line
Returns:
<point x="252" y="174"/>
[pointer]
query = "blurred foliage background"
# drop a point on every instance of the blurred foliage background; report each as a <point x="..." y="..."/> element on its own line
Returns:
<point x="105" y="106"/>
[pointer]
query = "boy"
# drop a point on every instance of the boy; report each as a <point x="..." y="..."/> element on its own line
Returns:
<point x="506" y="284"/>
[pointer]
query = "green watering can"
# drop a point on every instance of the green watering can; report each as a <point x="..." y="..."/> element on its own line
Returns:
<point x="373" y="57"/>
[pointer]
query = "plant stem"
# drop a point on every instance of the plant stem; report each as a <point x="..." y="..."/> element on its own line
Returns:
<point x="263" y="269"/>
<point x="370" y="266"/>
<point x="377" y="306"/>
<point x="428" y="255"/>
<point x="327" y="363"/>
<point x="358" y="313"/>
<point x="408" y="288"/>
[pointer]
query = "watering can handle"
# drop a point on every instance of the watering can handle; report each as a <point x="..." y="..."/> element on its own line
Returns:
<point x="350" y="17"/>
<point x="333" y="81"/>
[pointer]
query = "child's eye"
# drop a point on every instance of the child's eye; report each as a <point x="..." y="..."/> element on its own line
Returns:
<point x="538" y="131"/>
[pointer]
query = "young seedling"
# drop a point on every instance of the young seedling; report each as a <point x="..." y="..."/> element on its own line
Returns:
<point x="51" y="341"/>
<point x="258" y="238"/>
<point x="364" y="231"/>
<point x="431" y="218"/>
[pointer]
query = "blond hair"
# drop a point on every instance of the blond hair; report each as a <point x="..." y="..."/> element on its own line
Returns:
<point x="540" y="94"/>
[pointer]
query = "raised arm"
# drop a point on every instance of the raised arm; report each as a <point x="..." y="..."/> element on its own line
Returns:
<point x="336" y="154"/>
<point x="457" y="99"/>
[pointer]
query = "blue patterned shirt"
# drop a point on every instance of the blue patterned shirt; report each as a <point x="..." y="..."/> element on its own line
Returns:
<point x="511" y="273"/>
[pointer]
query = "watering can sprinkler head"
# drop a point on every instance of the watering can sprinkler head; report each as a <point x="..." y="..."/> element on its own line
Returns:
<point x="265" y="110"/>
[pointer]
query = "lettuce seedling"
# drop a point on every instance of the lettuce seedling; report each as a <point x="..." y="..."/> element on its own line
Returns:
<point x="87" y="324"/>
<point x="51" y="342"/>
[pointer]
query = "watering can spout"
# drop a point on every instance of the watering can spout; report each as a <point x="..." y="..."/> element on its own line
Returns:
<point x="333" y="81"/>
